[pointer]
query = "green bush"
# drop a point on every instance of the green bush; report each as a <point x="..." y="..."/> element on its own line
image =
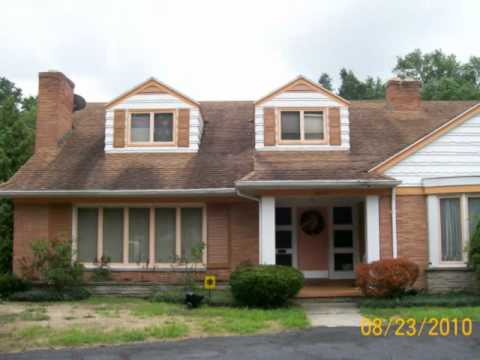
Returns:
<point x="51" y="294"/>
<point x="52" y="261"/>
<point x="265" y="285"/>
<point x="453" y="299"/>
<point x="474" y="250"/>
<point x="10" y="284"/>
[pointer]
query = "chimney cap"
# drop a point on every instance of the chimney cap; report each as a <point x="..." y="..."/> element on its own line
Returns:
<point x="405" y="80"/>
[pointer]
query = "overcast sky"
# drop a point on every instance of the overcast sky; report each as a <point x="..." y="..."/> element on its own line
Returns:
<point x="222" y="50"/>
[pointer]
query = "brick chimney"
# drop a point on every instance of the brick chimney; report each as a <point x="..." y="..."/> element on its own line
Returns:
<point x="54" y="110"/>
<point x="403" y="94"/>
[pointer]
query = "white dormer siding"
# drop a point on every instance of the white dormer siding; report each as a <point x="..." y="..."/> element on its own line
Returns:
<point x="155" y="101"/>
<point x="302" y="99"/>
<point x="454" y="154"/>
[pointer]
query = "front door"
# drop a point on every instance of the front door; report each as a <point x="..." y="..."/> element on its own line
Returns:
<point x="343" y="243"/>
<point x="284" y="236"/>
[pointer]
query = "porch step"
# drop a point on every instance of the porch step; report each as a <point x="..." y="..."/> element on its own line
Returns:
<point x="328" y="291"/>
<point x="332" y="314"/>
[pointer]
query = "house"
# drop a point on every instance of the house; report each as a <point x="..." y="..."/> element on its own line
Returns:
<point x="300" y="177"/>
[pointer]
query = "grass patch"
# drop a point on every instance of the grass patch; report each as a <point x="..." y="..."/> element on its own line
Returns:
<point x="439" y="300"/>
<point x="218" y="297"/>
<point x="8" y="318"/>
<point x="420" y="313"/>
<point x="77" y="336"/>
<point x="34" y="314"/>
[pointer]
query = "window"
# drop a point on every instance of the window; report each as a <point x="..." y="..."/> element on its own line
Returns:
<point x="156" y="127"/>
<point x="451" y="230"/>
<point x="87" y="234"/>
<point x="302" y="126"/>
<point x="138" y="235"/>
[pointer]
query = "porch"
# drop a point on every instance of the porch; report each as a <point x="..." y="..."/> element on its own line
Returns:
<point x="326" y="237"/>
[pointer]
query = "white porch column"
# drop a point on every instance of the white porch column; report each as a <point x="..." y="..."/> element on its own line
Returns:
<point x="267" y="230"/>
<point x="433" y="214"/>
<point x="372" y="227"/>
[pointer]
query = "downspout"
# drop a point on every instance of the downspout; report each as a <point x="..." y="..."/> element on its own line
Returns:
<point x="394" y="221"/>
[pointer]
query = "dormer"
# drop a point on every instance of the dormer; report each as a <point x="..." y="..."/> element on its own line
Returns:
<point x="302" y="115"/>
<point x="152" y="118"/>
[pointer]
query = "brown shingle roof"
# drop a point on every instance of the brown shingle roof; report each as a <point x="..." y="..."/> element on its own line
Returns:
<point x="227" y="151"/>
<point x="375" y="134"/>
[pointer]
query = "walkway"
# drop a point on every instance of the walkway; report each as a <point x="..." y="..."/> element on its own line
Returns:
<point x="331" y="314"/>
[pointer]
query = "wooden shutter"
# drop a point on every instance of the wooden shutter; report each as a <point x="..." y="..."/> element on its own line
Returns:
<point x="334" y="124"/>
<point x="269" y="126"/>
<point x="184" y="127"/>
<point x="119" y="128"/>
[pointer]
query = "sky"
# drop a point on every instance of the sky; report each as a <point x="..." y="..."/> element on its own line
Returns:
<point x="222" y="50"/>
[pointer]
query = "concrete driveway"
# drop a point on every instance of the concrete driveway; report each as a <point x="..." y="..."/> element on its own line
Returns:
<point x="316" y="343"/>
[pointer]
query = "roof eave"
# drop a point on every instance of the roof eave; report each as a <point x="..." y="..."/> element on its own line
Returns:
<point x="117" y="193"/>
<point x="316" y="184"/>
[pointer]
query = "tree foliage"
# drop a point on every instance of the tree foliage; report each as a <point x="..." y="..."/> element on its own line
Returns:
<point x="352" y="88"/>
<point x="17" y="132"/>
<point x="443" y="76"/>
<point x="326" y="81"/>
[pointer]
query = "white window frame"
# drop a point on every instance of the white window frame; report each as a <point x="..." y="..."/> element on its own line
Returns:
<point x="151" y="141"/>
<point x="152" y="264"/>
<point x="435" y="229"/>
<point x="302" y="139"/>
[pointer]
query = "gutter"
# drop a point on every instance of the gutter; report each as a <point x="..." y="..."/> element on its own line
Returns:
<point x="322" y="184"/>
<point x="117" y="193"/>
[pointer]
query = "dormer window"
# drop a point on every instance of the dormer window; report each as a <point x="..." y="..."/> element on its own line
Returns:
<point x="152" y="128"/>
<point x="302" y="126"/>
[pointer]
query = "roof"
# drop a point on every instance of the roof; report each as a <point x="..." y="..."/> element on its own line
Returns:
<point x="226" y="153"/>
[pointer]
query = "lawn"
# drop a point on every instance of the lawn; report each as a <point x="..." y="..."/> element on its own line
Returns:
<point x="115" y="320"/>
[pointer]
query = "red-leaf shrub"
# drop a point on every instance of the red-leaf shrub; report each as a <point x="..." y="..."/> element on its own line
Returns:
<point x="387" y="278"/>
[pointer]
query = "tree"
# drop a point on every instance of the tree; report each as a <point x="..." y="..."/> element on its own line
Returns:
<point x="352" y="88"/>
<point x="326" y="81"/>
<point x="442" y="75"/>
<point x="17" y="123"/>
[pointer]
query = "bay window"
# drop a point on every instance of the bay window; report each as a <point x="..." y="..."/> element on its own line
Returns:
<point x="138" y="235"/>
<point x="302" y="126"/>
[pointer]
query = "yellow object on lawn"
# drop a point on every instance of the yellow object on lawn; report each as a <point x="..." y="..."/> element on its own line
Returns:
<point x="210" y="282"/>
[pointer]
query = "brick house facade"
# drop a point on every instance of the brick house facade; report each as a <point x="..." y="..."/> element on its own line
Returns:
<point x="300" y="177"/>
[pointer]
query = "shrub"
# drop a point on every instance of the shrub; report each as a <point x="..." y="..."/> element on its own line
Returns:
<point x="387" y="278"/>
<point x="474" y="250"/>
<point x="102" y="272"/>
<point x="265" y="285"/>
<point x="51" y="294"/>
<point x="52" y="261"/>
<point x="9" y="284"/>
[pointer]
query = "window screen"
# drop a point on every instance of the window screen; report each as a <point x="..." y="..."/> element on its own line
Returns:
<point x="87" y="234"/>
<point x="290" y="125"/>
<point x="451" y="231"/>
<point x="165" y="234"/>
<point x="138" y="235"/>
<point x="313" y="125"/>
<point x="140" y="127"/>
<point x="163" y="127"/>
<point x="191" y="219"/>
<point x="113" y="234"/>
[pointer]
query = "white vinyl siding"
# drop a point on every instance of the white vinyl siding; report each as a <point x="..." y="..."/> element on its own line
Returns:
<point x="454" y="154"/>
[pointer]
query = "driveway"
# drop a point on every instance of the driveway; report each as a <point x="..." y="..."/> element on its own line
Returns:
<point x="315" y="343"/>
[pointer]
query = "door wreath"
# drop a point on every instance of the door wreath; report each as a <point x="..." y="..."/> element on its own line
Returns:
<point x="312" y="222"/>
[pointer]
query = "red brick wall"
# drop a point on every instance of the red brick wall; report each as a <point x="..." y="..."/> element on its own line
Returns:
<point x="385" y="227"/>
<point x="412" y="235"/>
<point x="232" y="236"/>
<point x="54" y="110"/>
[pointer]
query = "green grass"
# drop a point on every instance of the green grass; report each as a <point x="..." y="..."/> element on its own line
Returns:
<point x="440" y="300"/>
<point x="420" y="313"/>
<point x="8" y="318"/>
<point x="76" y="336"/>
<point x="34" y="314"/>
